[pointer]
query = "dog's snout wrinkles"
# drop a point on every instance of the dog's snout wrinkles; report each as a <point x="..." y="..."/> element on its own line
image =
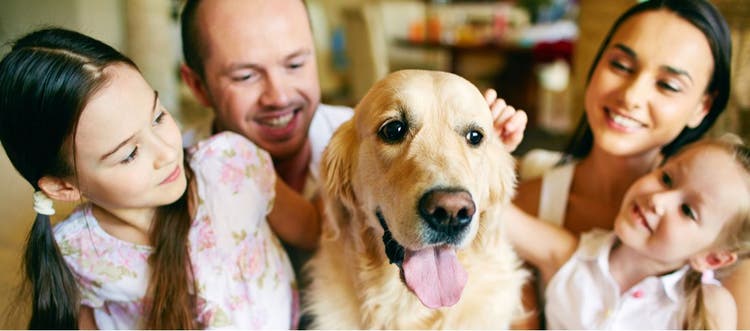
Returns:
<point x="447" y="210"/>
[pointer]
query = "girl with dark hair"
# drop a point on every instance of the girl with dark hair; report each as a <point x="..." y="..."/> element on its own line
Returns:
<point x="658" y="82"/>
<point x="161" y="241"/>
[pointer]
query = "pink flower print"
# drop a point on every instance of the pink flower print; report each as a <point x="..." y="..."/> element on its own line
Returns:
<point x="206" y="236"/>
<point x="249" y="156"/>
<point x="250" y="260"/>
<point x="232" y="176"/>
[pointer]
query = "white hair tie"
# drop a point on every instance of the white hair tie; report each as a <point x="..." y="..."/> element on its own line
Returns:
<point x="43" y="204"/>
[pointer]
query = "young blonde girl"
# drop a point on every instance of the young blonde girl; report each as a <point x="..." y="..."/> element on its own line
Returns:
<point x="160" y="242"/>
<point x="676" y="225"/>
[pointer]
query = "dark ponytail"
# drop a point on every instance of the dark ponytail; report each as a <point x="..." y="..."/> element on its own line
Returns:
<point x="54" y="292"/>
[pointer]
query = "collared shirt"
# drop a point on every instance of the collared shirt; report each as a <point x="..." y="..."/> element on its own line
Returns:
<point x="584" y="295"/>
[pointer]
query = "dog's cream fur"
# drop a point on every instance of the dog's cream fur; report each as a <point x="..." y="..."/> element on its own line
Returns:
<point x="353" y="285"/>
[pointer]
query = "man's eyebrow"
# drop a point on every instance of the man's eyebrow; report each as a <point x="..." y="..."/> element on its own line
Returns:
<point x="153" y="108"/>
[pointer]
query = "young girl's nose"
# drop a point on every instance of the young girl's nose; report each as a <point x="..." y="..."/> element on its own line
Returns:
<point x="661" y="202"/>
<point x="164" y="153"/>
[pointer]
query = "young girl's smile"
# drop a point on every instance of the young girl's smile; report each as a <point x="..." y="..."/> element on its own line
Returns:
<point x="128" y="147"/>
<point x="680" y="209"/>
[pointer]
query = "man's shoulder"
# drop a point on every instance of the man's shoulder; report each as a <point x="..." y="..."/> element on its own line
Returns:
<point x="326" y="120"/>
<point x="334" y="113"/>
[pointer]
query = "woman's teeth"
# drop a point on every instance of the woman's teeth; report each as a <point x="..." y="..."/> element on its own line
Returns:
<point x="624" y="121"/>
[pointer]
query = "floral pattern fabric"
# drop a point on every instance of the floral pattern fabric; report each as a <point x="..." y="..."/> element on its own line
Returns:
<point x="242" y="273"/>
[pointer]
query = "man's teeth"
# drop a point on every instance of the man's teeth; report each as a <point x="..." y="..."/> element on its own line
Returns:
<point x="625" y="121"/>
<point x="280" y="121"/>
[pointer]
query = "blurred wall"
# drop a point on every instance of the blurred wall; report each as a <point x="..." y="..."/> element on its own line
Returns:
<point x="101" y="19"/>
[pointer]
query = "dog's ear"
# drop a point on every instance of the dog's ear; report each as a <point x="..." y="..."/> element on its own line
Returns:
<point x="337" y="163"/>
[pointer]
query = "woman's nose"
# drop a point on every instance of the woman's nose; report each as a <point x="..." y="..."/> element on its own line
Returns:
<point x="635" y="93"/>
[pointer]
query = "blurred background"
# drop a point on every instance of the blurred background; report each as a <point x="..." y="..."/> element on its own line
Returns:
<point x="536" y="53"/>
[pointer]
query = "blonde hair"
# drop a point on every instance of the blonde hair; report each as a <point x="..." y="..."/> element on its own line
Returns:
<point x="735" y="236"/>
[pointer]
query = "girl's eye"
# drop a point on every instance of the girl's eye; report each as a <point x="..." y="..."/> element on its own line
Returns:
<point x="666" y="179"/>
<point x="130" y="156"/>
<point x="687" y="211"/>
<point x="296" y="65"/>
<point x="159" y="117"/>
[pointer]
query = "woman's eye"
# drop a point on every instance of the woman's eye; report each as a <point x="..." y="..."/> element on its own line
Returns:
<point x="669" y="87"/>
<point x="666" y="179"/>
<point x="130" y="156"/>
<point x="296" y="65"/>
<point x="687" y="211"/>
<point x="620" y="66"/>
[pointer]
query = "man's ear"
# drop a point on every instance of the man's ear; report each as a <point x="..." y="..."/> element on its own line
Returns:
<point x="712" y="260"/>
<point x="194" y="81"/>
<point x="59" y="189"/>
<point x="701" y="110"/>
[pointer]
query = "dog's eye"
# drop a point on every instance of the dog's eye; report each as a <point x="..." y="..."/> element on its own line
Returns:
<point x="474" y="137"/>
<point x="393" y="131"/>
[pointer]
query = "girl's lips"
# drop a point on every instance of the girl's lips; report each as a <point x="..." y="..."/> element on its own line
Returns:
<point x="641" y="218"/>
<point x="173" y="176"/>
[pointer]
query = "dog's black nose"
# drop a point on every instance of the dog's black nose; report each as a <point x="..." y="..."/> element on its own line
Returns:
<point x="447" y="210"/>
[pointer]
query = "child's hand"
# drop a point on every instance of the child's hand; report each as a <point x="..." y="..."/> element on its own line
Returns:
<point x="509" y="122"/>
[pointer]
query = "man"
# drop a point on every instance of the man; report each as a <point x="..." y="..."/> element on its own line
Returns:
<point x="253" y="62"/>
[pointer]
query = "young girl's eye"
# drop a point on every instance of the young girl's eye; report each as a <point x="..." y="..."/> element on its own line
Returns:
<point x="666" y="179"/>
<point x="130" y="156"/>
<point x="687" y="211"/>
<point x="159" y="117"/>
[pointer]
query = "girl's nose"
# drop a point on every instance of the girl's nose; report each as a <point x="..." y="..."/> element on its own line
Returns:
<point x="164" y="153"/>
<point x="660" y="203"/>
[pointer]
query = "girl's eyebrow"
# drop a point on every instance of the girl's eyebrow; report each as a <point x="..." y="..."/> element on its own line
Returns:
<point x="124" y="142"/>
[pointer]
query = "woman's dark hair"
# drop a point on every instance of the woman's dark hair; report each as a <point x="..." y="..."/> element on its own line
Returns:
<point x="704" y="16"/>
<point x="45" y="83"/>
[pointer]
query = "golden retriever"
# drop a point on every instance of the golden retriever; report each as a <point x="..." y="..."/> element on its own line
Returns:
<point x="414" y="187"/>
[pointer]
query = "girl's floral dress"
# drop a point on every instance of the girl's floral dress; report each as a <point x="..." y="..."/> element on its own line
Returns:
<point x="243" y="276"/>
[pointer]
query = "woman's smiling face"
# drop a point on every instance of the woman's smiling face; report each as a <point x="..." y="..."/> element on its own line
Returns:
<point x="649" y="84"/>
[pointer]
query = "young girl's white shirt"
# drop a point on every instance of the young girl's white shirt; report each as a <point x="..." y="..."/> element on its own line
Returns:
<point x="583" y="294"/>
<point x="243" y="276"/>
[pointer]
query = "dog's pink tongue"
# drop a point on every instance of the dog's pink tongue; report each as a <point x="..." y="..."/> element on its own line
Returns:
<point x="435" y="276"/>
